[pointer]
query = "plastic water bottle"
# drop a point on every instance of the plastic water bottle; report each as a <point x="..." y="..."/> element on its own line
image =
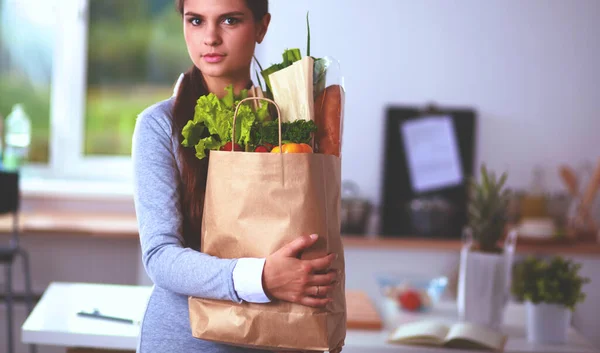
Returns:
<point x="17" y="138"/>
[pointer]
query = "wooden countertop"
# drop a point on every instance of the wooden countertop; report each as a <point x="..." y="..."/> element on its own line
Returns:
<point x="125" y="227"/>
<point x="99" y="225"/>
<point x="575" y="248"/>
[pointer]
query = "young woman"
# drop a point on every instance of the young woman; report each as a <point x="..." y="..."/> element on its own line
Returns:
<point x="170" y="181"/>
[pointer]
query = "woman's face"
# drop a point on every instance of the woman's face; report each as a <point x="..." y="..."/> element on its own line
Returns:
<point x="221" y="36"/>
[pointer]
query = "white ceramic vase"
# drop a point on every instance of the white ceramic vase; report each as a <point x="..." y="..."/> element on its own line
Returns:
<point x="484" y="284"/>
<point x="547" y="323"/>
<point x="482" y="289"/>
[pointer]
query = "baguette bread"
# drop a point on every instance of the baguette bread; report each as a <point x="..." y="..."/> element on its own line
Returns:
<point x="328" y="117"/>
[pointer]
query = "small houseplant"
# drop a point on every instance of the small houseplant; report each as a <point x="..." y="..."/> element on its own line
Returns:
<point x="485" y="264"/>
<point x="551" y="289"/>
<point x="488" y="211"/>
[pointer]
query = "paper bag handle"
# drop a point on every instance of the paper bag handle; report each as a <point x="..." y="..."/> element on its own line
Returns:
<point x="237" y="108"/>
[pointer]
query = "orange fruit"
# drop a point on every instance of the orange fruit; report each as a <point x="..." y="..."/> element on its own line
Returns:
<point x="293" y="148"/>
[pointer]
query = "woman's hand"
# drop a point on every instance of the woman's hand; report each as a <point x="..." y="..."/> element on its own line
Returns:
<point x="307" y="282"/>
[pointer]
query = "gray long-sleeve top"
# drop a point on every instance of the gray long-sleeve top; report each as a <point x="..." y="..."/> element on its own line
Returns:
<point x="177" y="272"/>
<point x="157" y="182"/>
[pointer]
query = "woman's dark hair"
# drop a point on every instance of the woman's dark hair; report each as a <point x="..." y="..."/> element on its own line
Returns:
<point x="193" y="170"/>
<point x="259" y="8"/>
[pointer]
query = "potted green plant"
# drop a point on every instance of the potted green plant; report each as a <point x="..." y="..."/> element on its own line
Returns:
<point x="551" y="289"/>
<point x="485" y="263"/>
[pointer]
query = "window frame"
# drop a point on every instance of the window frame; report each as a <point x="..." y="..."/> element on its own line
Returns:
<point x="68" y="168"/>
<point x="66" y="155"/>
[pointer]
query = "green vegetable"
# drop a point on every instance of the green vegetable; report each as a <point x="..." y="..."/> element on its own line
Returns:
<point x="299" y="131"/>
<point x="213" y="121"/>
<point x="230" y="100"/>
<point x="215" y="115"/>
<point x="262" y="113"/>
<point x="192" y="133"/>
<point x="207" y="143"/>
<point x="258" y="73"/>
<point x="244" y="121"/>
<point x="290" y="56"/>
<point x="308" y="36"/>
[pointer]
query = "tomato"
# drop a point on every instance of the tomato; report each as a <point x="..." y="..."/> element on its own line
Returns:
<point x="261" y="149"/>
<point x="293" y="148"/>
<point x="410" y="300"/>
<point x="227" y="147"/>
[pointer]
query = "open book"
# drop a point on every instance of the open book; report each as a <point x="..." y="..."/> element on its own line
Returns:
<point x="459" y="335"/>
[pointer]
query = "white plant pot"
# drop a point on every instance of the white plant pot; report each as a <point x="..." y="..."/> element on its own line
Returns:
<point x="547" y="323"/>
<point x="483" y="288"/>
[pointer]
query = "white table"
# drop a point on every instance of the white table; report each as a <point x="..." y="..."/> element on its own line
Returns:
<point x="54" y="321"/>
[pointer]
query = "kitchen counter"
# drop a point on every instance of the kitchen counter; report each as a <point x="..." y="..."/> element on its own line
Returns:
<point x="124" y="226"/>
<point x="54" y="322"/>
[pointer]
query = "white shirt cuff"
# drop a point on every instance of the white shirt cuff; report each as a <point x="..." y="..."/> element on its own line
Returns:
<point x="247" y="280"/>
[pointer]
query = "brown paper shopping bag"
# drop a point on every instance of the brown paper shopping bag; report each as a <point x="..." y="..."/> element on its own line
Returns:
<point x="256" y="203"/>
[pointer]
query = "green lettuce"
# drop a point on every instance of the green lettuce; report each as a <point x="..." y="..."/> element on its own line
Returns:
<point x="207" y="143"/>
<point x="262" y="113"/>
<point x="192" y="133"/>
<point x="212" y="124"/>
<point x="243" y="124"/>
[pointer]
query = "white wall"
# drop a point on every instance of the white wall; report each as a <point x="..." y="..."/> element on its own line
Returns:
<point x="530" y="68"/>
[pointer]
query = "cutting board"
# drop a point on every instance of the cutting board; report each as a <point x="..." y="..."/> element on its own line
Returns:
<point x="361" y="312"/>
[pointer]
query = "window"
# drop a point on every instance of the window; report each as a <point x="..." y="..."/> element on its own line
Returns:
<point x="84" y="72"/>
<point x="135" y="54"/>
<point x="26" y="51"/>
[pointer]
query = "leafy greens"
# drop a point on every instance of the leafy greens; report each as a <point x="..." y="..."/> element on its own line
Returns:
<point x="212" y="125"/>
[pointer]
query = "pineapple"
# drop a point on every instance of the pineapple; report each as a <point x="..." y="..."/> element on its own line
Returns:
<point x="488" y="207"/>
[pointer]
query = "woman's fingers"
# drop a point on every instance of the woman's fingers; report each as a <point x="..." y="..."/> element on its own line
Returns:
<point x="297" y="245"/>
<point x="319" y="291"/>
<point x="314" y="302"/>
<point x="322" y="263"/>
<point x="323" y="279"/>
